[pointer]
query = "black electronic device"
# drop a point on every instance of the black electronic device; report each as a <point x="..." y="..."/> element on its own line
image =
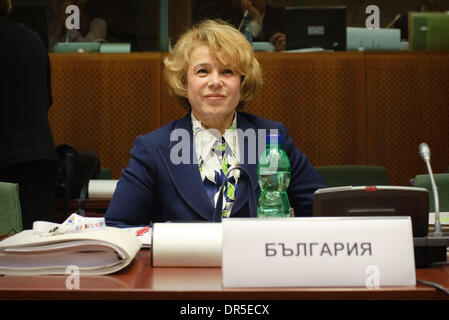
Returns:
<point x="316" y="27"/>
<point x="386" y="201"/>
<point x="364" y="201"/>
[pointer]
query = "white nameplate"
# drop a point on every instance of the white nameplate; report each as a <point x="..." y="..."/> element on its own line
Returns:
<point x="318" y="252"/>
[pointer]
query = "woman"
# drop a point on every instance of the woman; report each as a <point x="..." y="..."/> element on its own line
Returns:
<point x="267" y="22"/>
<point x="175" y="171"/>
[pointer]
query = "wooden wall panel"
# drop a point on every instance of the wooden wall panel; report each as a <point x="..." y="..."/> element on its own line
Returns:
<point x="102" y="102"/>
<point x="340" y="108"/>
<point x="170" y="108"/>
<point x="408" y="103"/>
<point x="320" y="97"/>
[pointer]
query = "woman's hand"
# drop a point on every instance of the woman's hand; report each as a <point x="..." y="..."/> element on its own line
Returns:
<point x="278" y="40"/>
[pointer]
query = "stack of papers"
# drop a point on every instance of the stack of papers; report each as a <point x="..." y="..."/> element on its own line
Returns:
<point x="144" y="234"/>
<point x="97" y="252"/>
<point x="444" y="218"/>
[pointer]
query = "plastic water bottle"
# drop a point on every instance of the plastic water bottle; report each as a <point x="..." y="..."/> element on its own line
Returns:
<point x="273" y="172"/>
<point x="247" y="30"/>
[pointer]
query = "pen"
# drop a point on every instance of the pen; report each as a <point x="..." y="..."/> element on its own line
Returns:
<point x="243" y="19"/>
<point x="142" y="231"/>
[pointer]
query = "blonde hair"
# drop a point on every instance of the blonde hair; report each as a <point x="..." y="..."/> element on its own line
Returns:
<point x="227" y="45"/>
<point x="5" y="7"/>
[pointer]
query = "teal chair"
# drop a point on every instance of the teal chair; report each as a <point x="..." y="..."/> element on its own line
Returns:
<point x="353" y="175"/>
<point x="10" y="211"/>
<point x="442" y="182"/>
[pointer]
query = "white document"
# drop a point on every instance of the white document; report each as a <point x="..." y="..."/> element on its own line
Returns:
<point x="144" y="234"/>
<point x="98" y="252"/>
<point x="444" y="218"/>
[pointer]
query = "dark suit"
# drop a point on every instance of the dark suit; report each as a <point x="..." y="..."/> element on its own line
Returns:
<point x="273" y="21"/>
<point x="27" y="151"/>
<point x="152" y="188"/>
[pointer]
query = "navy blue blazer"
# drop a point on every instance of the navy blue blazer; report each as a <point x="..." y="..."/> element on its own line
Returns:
<point x="154" y="189"/>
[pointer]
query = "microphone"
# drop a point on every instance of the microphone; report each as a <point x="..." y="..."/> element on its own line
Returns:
<point x="424" y="151"/>
<point x="243" y="19"/>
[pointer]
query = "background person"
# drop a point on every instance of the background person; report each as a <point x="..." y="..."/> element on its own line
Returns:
<point x="267" y="22"/>
<point x="28" y="155"/>
<point x="213" y="73"/>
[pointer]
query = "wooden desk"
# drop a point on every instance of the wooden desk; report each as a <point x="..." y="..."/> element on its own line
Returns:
<point x="140" y="281"/>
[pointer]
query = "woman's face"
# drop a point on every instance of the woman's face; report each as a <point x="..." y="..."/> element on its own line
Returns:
<point x="213" y="89"/>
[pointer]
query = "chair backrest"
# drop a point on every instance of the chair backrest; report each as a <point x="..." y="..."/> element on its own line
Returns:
<point x="105" y="174"/>
<point x="10" y="210"/>
<point x="442" y="182"/>
<point x="353" y="175"/>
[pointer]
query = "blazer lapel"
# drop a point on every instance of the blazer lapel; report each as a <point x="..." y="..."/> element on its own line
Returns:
<point x="186" y="176"/>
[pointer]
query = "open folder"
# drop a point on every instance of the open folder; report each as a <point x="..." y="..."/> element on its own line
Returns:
<point x="98" y="252"/>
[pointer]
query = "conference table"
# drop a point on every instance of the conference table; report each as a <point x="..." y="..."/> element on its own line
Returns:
<point x="140" y="280"/>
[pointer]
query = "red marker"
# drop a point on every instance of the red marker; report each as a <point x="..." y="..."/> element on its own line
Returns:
<point x="142" y="231"/>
